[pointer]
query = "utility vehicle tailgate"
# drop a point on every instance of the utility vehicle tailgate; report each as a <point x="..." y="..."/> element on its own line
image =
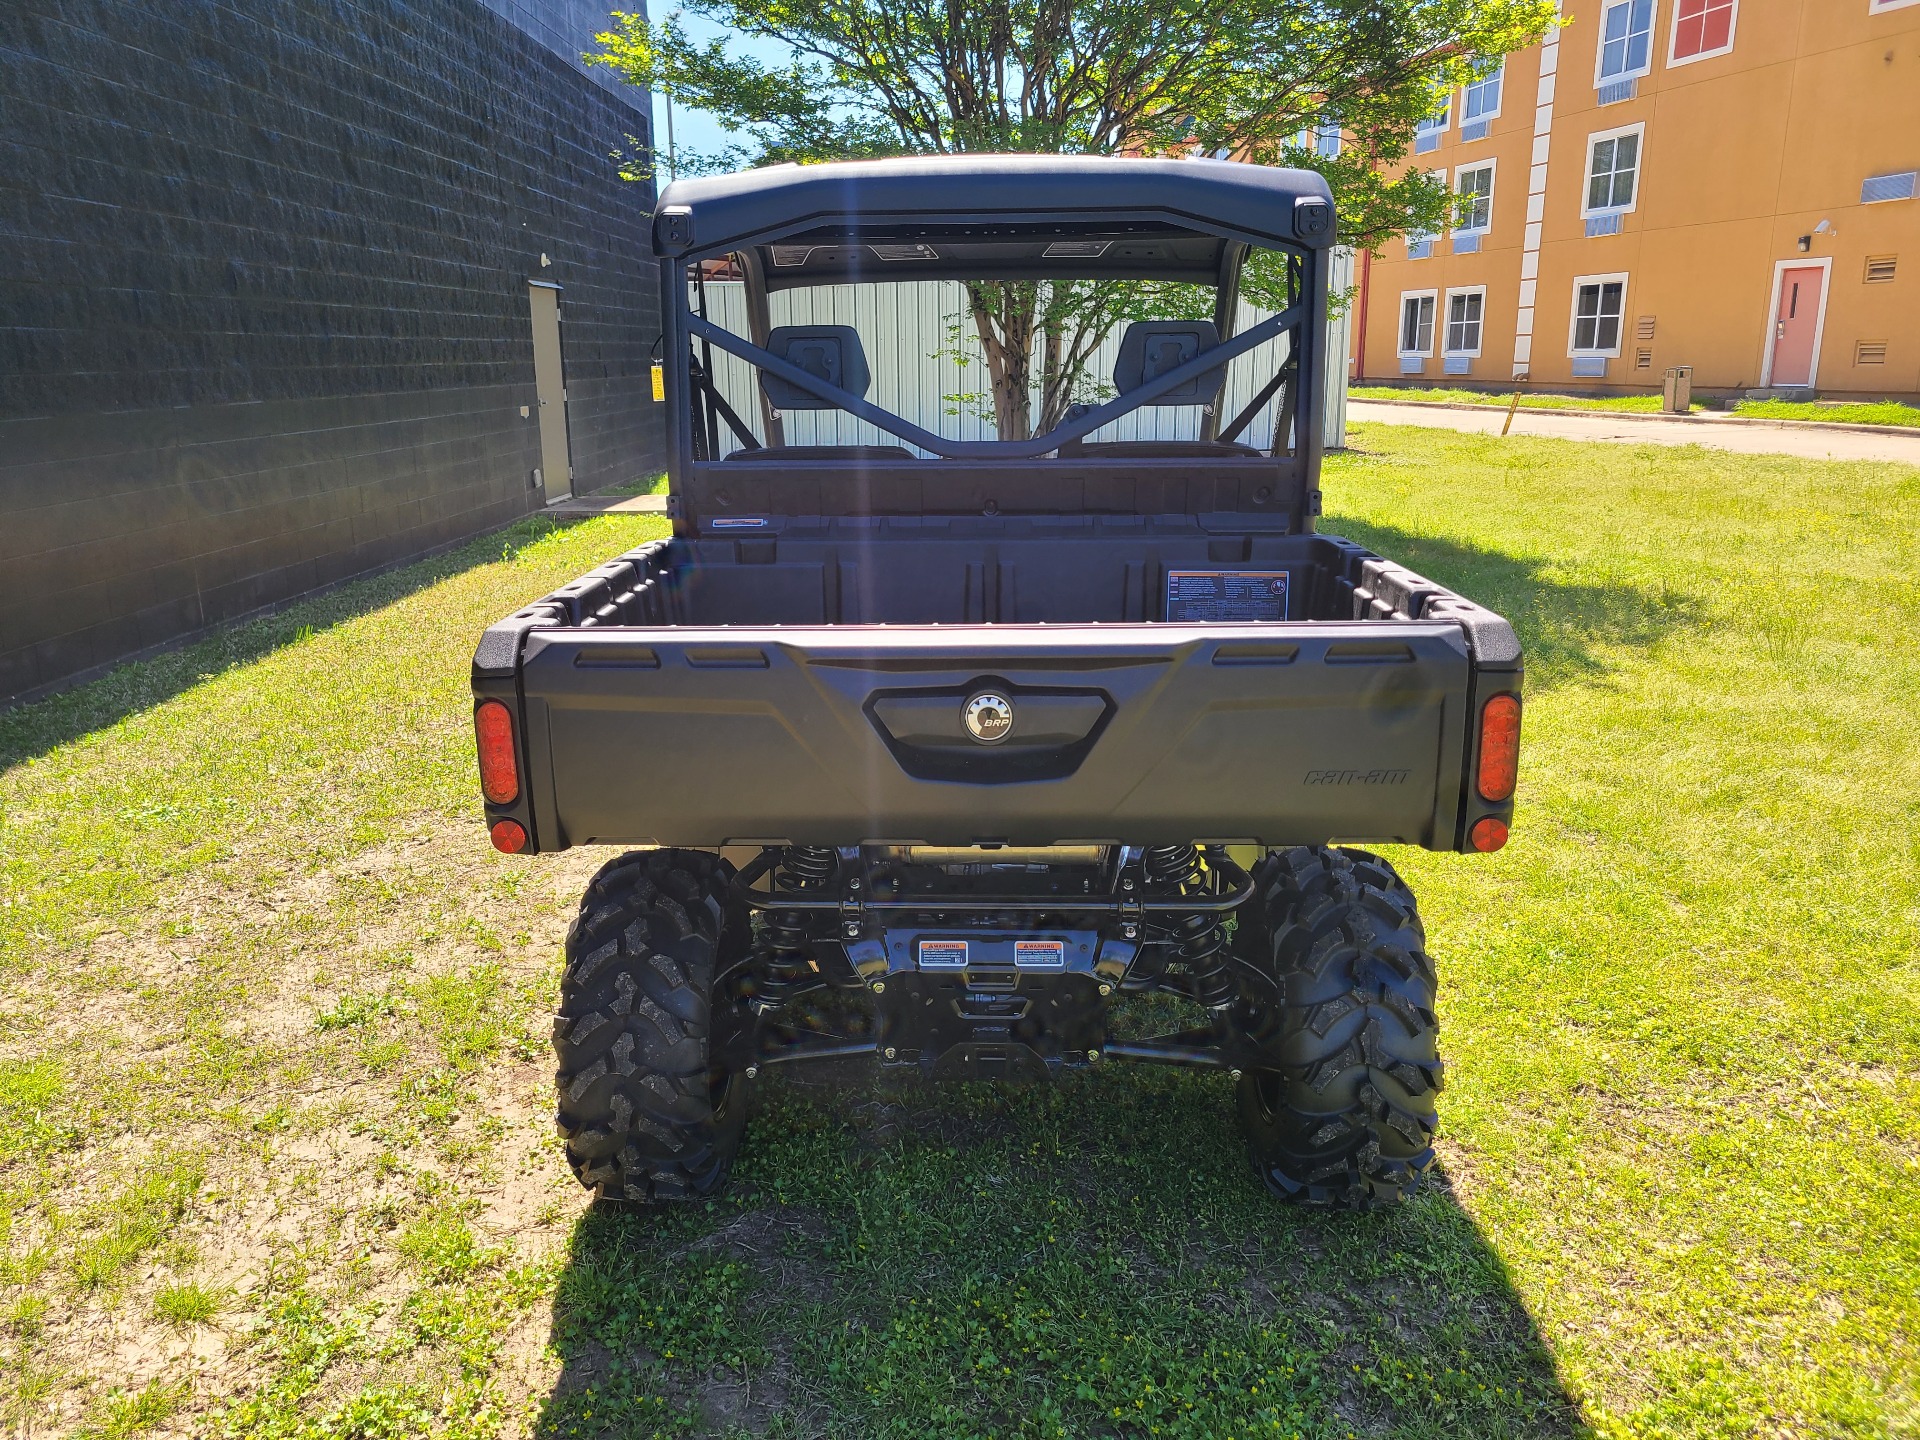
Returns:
<point x="1139" y="734"/>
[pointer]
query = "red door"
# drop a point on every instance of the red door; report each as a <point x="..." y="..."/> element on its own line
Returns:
<point x="1796" y="325"/>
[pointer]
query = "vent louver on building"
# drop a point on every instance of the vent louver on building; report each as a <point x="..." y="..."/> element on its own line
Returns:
<point x="1877" y="189"/>
<point x="1880" y="268"/>
<point x="1643" y="358"/>
<point x="1869" y="352"/>
<point x="1643" y="328"/>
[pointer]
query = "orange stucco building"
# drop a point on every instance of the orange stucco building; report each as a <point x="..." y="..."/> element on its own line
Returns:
<point x="1725" y="184"/>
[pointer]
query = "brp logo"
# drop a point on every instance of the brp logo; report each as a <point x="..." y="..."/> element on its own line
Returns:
<point x="988" y="717"/>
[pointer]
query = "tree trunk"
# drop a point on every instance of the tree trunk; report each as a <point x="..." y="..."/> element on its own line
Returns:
<point x="1004" y="314"/>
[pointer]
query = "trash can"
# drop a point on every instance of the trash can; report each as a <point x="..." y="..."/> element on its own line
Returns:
<point x="1679" y="396"/>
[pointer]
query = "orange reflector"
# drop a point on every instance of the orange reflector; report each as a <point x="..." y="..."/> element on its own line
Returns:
<point x="499" y="771"/>
<point x="1499" y="747"/>
<point x="510" y="839"/>
<point x="1487" y="835"/>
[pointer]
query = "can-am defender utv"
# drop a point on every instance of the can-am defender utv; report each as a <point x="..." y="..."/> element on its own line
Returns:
<point x="941" y="746"/>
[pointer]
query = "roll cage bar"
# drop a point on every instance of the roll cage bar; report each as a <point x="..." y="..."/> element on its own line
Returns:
<point x="1225" y="208"/>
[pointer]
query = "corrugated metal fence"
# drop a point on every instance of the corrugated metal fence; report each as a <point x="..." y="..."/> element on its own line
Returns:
<point x="924" y="356"/>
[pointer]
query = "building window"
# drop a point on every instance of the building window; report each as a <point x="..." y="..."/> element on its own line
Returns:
<point x="1481" y="99"/>
<point x="1416" y="322"/>
<point x="1426" y="135"/>
<point x="1598" y="303"/>
<point x="1899" y="185"/>
<point x="1701" y="29"/>
<point x="1465" y="311"/>
<point x="1626" y="41"/>
<point x="1473" y="199"/>
<point x="1613" y="171"/>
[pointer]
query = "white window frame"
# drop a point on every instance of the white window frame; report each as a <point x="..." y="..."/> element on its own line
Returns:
<point x="1822" y="263"/>
<point x="1428" y="126"/>
<point x="1501" y="76"/>
<point x="1620" y="334"/>
<point x="1600" y="45"/>
<point x="1674" y="61"/>
<point x="1881" y="7"/>
<point x="1639" y="130"/>
<point x="1453" y="189"/>
<point x="1442" y="322"/>
<point x="1400" y="322"/>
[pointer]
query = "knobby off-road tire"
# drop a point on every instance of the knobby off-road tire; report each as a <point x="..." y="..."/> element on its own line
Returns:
<point x="1340" y="1003"/>
<point x="645" y="1112"/>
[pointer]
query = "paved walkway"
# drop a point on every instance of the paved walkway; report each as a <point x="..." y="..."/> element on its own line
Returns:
<point x="609" y="505"/>
<point x="1719" y="432"/>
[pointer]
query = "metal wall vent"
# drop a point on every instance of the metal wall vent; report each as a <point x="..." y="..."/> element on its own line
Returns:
<point x="1643" y="358"/>
<point x="1869" y="352"/>
<point x="1643" y="328"/>
<point x="1458" y="365"/>
<point x="1616" y="92"/>
<point x="1608" y="224"/>
<point x="1880" y="268"/>
<point x="1589" y="367"/>
<point x="1477" y="130"/>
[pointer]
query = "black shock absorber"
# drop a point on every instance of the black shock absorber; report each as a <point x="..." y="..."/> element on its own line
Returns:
<point x="1200" y="941"/>
<point x="786" y="969"/>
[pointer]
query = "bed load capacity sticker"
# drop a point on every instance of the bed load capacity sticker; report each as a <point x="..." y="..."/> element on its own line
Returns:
<point x="1210" y="596"/>
<point x="1040" y="954"/>
<point x="943" y="954"/>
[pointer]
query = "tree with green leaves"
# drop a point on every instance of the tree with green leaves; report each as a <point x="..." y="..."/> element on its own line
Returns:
<point x="1255" y="81"/>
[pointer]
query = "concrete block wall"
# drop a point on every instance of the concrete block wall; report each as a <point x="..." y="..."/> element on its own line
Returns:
<point x="263" y="302"/>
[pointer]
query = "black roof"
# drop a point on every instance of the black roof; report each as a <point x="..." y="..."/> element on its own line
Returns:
<point x="959" y="208"/>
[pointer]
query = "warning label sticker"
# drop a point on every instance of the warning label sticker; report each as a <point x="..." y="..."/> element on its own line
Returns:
<point x="1040" y="954"/>
<point x="1211" y="596"/>
<point x="943" y="954"/>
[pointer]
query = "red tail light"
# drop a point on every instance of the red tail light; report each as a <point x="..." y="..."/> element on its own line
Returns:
<point x="508" y="837"/>
<point x="499" y="770"/>
<point x="1499" y="748"/>
<point x="1487" y="835"/>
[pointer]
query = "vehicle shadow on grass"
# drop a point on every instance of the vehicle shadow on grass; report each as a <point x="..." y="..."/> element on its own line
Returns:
<point x="31" y="730"/>
<point x="1088" y="1259"/>
<point x="1566" y="629"/>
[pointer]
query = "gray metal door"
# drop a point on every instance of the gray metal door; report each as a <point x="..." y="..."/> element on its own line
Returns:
<point x="550" y="384"/>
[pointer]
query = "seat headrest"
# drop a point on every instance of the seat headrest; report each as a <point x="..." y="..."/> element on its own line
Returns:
<point x="1150" y="348"/>
<point x="830" y="352"/>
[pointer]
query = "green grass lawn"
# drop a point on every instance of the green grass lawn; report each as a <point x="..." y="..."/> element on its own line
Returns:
<point x="275" y="1144"/>
<point x="1883" y="412"/>
<point x="1886" y="412"/>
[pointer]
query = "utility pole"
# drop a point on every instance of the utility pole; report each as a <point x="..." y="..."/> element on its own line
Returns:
<point x="673" y="169"/>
